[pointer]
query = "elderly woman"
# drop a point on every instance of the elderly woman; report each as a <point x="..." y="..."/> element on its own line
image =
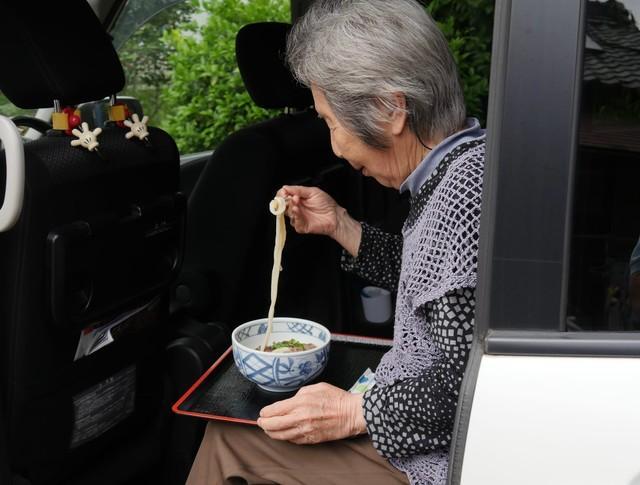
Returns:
<point x="385" y="82"/>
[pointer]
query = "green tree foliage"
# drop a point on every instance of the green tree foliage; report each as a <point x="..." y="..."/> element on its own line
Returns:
<point x="145" y="55"/>
<point x="468" y="27"/>
<point x="192" y="76"/>
<point x="205" y="97"/>
<point x="7" y="108"/>
<point x="182" y="66"/>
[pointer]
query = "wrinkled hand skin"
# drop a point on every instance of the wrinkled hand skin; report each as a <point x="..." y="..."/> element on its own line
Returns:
<point x="317" y="413"/>
<point x="310" y="210"/>
<point x="313" y="211"/>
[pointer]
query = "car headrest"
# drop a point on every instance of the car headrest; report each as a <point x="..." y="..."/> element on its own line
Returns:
<point x="55" y="50"/>
<point x="260" y="52"/>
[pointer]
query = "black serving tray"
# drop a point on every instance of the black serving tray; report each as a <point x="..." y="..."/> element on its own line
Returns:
<point x="223" y="393"/>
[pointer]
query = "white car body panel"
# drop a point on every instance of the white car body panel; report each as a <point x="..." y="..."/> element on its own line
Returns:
<point x="554" y="420"/>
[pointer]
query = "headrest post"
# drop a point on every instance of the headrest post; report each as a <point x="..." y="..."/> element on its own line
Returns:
<point x="56" y="106"/>
<point x="113" y="100"/>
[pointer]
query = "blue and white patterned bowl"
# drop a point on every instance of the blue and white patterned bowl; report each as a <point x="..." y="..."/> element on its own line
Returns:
<point x="280" y="372"/>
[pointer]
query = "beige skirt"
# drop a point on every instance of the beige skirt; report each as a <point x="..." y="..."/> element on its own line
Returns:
<point x="237" y="454"/>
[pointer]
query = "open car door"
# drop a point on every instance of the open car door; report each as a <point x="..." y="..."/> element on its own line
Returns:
<point x="551" y="393"/>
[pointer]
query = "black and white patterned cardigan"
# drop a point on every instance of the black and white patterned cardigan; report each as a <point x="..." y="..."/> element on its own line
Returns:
<point x="410" y="413"/>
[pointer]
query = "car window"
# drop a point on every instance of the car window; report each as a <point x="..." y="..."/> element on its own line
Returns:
<point x="181" y="66"/>
<point x="136" y="14"/>
<point x="7" y="108"/>
<point x="604" y="281"/>
<point x="145" y="55"/>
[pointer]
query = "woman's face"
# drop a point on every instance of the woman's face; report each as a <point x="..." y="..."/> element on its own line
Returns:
<point x="373" y="162"/>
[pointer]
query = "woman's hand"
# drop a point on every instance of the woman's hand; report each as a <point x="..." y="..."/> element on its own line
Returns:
<point x="313" y="211"/>
<point x="310" y="210"/>
<point x="317" y="413"/>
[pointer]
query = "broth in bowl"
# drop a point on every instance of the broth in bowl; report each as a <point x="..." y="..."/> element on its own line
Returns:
<point x="288" y="346"/>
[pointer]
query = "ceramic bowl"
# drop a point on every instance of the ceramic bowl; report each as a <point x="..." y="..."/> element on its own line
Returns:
<point x="280" y="372"/>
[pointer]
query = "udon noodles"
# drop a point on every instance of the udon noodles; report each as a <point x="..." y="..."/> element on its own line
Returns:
<point x="277" y="207"/>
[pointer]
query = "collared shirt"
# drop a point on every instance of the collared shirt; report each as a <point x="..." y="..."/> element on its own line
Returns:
<point x="418" y="177"/>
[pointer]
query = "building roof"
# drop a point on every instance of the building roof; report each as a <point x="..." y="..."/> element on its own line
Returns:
<point x="612" y="54"/>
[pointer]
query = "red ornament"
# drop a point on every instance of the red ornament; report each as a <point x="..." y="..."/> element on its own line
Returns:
<point x="74" y="120"/>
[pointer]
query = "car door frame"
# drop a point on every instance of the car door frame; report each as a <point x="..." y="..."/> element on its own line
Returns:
<point x="525" y="234"/>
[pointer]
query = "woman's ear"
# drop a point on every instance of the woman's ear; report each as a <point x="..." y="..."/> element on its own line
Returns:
<point x="400" y="116"/>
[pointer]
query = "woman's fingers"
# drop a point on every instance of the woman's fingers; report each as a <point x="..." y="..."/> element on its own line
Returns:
<point x="289" y="428"/>
<point x="297" y="217"/>
<point x="293" y="203"/>
<point x="279" y="423"/>
<point x="309" y="209"/>
<point x="299" y="190"/>
<point x="296" y="213"/>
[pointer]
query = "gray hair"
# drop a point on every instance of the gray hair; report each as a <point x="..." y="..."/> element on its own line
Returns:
<point x="361" y="53"/>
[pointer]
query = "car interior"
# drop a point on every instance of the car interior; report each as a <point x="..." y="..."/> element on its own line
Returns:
<point x="127" y="269"/>
<point x="126" y="263"/>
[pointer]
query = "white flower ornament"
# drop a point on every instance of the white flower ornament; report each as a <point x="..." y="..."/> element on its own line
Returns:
<point x="86" y="138"/>
<point x="138" y="127"/>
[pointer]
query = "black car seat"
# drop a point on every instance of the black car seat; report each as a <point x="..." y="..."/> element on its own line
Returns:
<point x="229" y="249"/>
<point x="230" y="232"/>
<point x="98" y="243"/>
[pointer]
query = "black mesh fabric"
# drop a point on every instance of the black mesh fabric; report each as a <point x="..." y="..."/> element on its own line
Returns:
<point x="260" y="51"/>
<point x="58" y="50"/>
